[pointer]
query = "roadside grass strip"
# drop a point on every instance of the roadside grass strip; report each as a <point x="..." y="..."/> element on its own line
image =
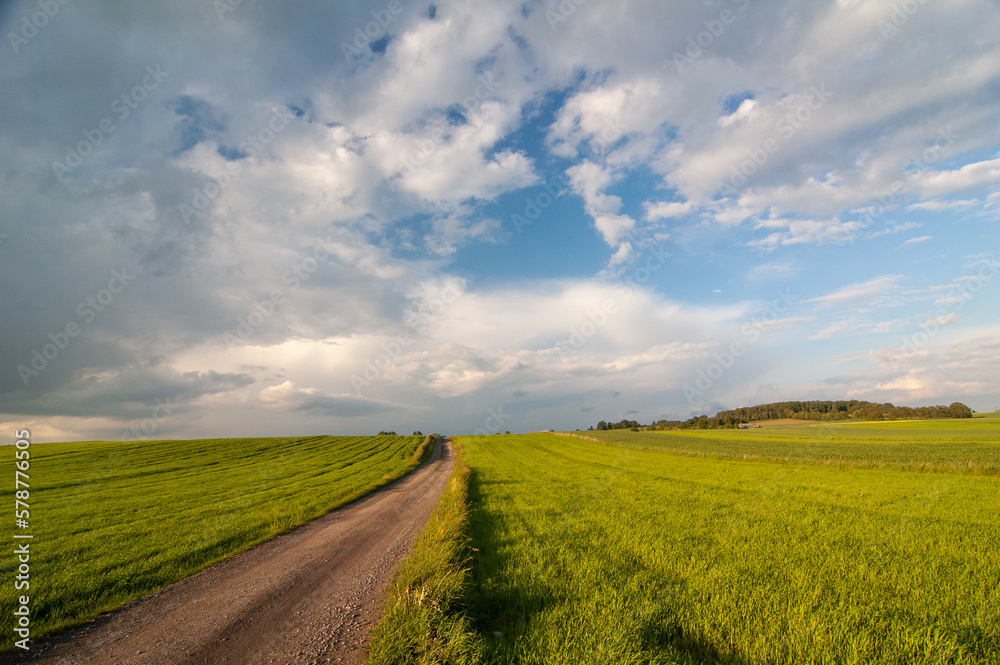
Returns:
<point x="423" y="620"/>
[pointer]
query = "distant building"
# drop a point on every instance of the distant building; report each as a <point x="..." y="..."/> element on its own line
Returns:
<point x="749" y="425"/>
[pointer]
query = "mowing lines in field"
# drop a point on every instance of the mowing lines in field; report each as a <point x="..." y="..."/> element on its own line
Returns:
<point x="561" y="524"/>
<point x="966" y="447"/>
<point x="162" y="510"/>
<point x="263" y="477"/>
<point x="682" y="563"/>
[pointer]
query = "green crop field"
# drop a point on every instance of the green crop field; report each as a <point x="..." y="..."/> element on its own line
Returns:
<point x="112" y="521"/>
<point x="593" y="553"/>
<point x="954" y="446"/>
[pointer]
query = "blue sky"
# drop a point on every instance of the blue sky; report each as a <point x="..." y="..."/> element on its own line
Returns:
<point x="244" y="219"/>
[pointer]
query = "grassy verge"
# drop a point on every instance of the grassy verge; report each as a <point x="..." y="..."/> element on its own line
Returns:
<point x="113" y="521"/>
<point x="423" y="622"/>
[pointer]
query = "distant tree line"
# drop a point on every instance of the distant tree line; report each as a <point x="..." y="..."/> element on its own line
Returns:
<point x="818" y="410"/>
<point x="624" y="424"/>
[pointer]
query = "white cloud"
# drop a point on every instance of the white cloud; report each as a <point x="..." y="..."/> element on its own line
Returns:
<point x="453" y="231"/>
<point x="941" y="206"/>
<point x="862" y="293"/>
<point x="807" y="231"/>
<point x="919" y="239"/>
<point x="840" y="328"/>
<point x="622" y="255"/>
<point x="289" y="397"/>
<point x="769" y="271"/>
<point x="666" y="209"/>
<point x="744" y="112"/>
<point x="976" y="174"/>
<point x="895" y="228"/>
<point x="589" y="180"/>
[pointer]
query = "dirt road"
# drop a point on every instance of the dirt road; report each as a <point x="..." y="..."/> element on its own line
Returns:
<point x="309" y="596"/>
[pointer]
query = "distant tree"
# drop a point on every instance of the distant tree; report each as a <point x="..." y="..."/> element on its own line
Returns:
<point x="418" y="433"/>
<point x="959" y="410"/>
<point x="817" y="411"/>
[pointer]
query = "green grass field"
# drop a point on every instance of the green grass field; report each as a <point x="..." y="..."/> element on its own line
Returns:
<point x="113" y="521"/>
<point x="590" y="553"/>
<point x="966" y="446"/>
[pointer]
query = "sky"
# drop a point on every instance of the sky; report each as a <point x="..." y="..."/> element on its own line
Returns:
<point x="236" y="218"/>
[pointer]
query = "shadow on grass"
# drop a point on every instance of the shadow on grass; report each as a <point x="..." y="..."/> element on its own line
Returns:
<point x="494" y="604"/>
<point x="502" y="607"/>
<point x="664" y="633"/>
